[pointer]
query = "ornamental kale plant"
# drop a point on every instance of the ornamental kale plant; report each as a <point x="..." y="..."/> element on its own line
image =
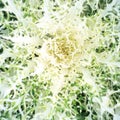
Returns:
<point x="59" y="60"/>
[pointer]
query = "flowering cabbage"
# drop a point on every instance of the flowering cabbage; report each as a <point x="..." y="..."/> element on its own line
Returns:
<point x="59" y="60"/>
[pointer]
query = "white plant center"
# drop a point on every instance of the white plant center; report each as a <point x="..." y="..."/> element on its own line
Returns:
<point x="64" y="48"/>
